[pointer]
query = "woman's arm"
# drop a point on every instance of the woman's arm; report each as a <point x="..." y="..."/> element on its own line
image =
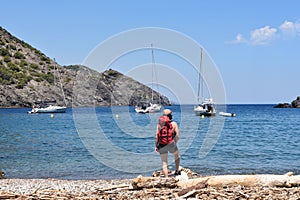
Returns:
<point x="156" y="139"/>
<point x="176" y="129"/>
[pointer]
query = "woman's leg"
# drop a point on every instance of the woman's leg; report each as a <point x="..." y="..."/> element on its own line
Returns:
<point x="177" y="160"/>
<point x="164" y="160"/>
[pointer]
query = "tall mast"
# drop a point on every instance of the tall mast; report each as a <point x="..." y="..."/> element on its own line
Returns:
<point x="152" y="61"/>
<point x="200" y="83"/>
<point x="154" y="74"/>
<point x="60" y="82"/>
<point x="54" y="74"/>
<point x="202" y="75"/>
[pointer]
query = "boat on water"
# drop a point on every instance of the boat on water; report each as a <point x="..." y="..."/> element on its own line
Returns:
<point x="50" y="108"/>
<point x="207" y="106"/>
<point x="226" y="114"/>
<point x="150" y="107"/>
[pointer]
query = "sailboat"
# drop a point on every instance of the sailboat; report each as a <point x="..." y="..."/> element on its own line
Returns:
<point x="207" y="106"/>
<point x="149" y="107"/>
<point x="50" y="108"/>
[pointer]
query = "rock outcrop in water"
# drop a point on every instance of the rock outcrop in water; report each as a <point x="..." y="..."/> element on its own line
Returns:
<point x="27" y="78"/>
<point x="294" y="104"/>
<point x="283" y="105"/>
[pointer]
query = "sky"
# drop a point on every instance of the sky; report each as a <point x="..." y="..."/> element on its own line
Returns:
<point x="255" y="45"/>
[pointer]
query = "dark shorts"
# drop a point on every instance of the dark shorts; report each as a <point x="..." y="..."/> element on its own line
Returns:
<point x="163" y="149"/>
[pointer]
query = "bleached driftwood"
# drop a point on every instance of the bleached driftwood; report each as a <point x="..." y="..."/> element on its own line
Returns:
<point x="271" y="180"/>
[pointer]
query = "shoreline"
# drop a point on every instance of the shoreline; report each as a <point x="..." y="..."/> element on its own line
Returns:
<point x="122" y="189"/>
<point x="57" y="188"/>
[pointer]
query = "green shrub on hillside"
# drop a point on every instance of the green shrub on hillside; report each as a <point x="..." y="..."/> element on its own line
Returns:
<point x="23" y="63"/>
<point x="67" y="79"/>
<point x="4" y="52"/>
<point x="7" y="59"/>
<point x="113" y="73"/>
<point x="13" y="67"/>
<point x="5" y="75"/>
<point x="50" y="67"/>
<point x="19" y="55"/>
<point x="73" y="67"/>
<point x="45" y="59"/>
<point x="22" y="80"/>
<point x="13" y="47"/>
<point x="34" y="66"/>
<point x="38" y="79"/>
<point x="48" y="77"/>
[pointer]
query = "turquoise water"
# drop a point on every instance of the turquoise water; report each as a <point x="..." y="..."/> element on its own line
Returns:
<point x="260" y="139"/>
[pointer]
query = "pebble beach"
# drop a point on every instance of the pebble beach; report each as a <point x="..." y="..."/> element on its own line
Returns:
<point x="121" y="189"/>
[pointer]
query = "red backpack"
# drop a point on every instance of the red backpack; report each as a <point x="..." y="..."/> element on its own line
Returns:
<point x="165" y="130"/>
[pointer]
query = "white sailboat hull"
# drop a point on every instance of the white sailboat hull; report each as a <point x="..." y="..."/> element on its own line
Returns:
<point x="200" y="111"/>
<point x="49" y="109"/>
<point x="150" y="109"/>
<point x="207" y="108"/>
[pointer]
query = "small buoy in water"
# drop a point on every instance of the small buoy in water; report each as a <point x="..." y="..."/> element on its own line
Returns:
<point x="52" y="116"/>
<point x="117" y="116"/>
<point x="202" y="116"/>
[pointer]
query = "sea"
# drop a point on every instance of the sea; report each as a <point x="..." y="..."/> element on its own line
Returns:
<point x="118" y="143"/>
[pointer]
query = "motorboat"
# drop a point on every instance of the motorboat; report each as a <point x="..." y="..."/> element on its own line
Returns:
<point x="151" y="108"/>
<point x="48" y="109"/>
<point x="226" y="114"/>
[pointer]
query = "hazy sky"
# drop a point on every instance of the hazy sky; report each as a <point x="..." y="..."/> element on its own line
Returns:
<point x="254" y="44"/>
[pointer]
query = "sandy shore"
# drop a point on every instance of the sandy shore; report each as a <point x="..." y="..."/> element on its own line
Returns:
<point x="121" y="189"/>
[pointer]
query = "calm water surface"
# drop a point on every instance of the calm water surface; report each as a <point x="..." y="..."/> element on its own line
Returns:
<point x="260" y="139"/>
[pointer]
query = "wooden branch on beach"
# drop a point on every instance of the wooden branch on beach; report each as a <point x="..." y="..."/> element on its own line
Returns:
<point x="271" y="180"/>
<point x="126" y="186"/>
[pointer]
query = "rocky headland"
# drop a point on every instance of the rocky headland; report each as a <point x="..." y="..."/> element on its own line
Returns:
<point x="28" y="76"/>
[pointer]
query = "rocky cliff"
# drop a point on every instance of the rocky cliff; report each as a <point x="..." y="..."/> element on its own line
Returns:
<point x="27" y="77"/>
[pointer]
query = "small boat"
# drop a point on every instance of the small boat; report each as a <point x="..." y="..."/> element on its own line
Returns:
<point x="49" y="109"/>
<point x="225" y="114"/>
<point x="207" y="108"/>
<point x="151" y="108"/>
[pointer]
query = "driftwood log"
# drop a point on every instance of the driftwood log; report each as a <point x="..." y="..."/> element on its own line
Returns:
<point x="271" y="180"/>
